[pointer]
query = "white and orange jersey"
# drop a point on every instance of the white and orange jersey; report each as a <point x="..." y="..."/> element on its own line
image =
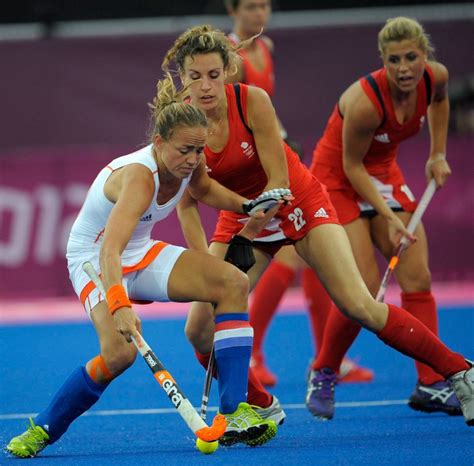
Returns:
<point x="87" y="231"/>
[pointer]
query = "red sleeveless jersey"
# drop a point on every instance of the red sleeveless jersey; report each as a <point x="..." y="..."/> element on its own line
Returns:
<point x="380" y="159"/>
<point x="238" y="166"/>
<point x="265" y="78"/>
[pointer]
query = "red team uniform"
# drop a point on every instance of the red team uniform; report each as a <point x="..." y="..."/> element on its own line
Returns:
<point x="382" y="166"/>
<point x="380" y="160"/>
<point x="264" y="78"/>
<point x="238" y="168"/>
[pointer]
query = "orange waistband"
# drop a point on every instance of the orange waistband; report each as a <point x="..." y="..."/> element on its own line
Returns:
<point x="148" y="258"/>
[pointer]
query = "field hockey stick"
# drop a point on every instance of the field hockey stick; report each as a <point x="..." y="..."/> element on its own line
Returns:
<point x="207" y="385"/>
<point x="412" y="224"/>
<point x="167" y="383"/>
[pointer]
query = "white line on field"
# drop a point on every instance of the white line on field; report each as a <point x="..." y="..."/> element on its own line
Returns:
<point x="135" y="412"/>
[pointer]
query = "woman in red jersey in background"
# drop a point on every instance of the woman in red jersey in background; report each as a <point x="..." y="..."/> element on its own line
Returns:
<point x="256" y="69"/>
<point x="245" y="153"/>
<point x="356" y="160"/>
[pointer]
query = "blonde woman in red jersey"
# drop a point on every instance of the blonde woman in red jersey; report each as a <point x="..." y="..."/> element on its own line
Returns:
<point x="356" y="160"/>
<point x="245" y="153"/>
<point x="256" y="68"/>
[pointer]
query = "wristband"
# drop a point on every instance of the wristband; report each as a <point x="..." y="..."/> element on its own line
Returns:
<point x="116" y="298"/>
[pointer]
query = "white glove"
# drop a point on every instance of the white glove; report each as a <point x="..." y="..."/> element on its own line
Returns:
<point x="266" y="200"/>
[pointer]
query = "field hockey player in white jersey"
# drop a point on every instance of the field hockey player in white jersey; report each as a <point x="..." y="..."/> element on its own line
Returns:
<point x="113" y="233"/>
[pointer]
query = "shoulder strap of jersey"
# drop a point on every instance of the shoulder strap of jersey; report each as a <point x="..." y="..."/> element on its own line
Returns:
<point x="373" y="84"/>
<point x="426" y="77"/>
<point x="239" y="106"/>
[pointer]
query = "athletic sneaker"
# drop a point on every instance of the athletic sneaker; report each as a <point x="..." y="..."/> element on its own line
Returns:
<point x="351" y="372"/>
<point x="274" y="412"/>
<point x="437" y="397"/>
<point x="463" y="385"/>
<point x="245" y="425"/>
<point x="320" y="393"/>
<point x="29" y="443"/>
<point x="261" y="371"/>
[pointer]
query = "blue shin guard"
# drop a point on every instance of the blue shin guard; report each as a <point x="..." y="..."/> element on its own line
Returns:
<point x="232" y="346"/>
<point x="78" y="393"/>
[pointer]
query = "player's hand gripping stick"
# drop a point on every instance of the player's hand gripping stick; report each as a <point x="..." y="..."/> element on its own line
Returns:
<point x="168" y="384"/>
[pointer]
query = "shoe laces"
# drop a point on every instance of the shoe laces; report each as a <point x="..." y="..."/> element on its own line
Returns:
<point x="33" y="436"/>
<point x="246" y="417"/>
<point x="323" y="383"/>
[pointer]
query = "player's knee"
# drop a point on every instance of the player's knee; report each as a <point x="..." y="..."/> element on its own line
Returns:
<point x="120" y="358"/>
<point x="417" y="280"/>
<point x="235" y="285"/>
<point x="363" y="311"/>
<point x="200" y="336"/>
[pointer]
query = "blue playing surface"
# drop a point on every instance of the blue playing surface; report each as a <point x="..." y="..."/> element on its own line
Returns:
<point x="372" y="425"/>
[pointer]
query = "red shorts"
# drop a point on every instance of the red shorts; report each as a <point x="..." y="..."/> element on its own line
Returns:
<point x="310" y="209"/>
<point x="350" y="206"/>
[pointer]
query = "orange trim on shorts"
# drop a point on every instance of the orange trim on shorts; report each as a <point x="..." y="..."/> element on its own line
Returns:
<point x="97" y="362"/>
<point x="148" y="258"/>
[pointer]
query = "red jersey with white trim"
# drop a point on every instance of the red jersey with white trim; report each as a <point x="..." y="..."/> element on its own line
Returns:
<point x="238" y="165"/>
<point x="264" y="78"/>
<point x="239" y="169"/>
<point x="380" y="159"/>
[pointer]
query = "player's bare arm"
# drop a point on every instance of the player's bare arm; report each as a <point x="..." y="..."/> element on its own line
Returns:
<point x="264" y="124"/>
<point x="438" y="119"/>
<point x="360" y="123"/>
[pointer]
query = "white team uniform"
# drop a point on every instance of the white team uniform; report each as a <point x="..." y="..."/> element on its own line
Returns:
<point x="145" y="278"/>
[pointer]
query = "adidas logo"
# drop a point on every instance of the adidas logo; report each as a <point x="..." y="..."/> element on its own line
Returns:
<point x="321" y="213"/>
<point x="146" y="218"/>
<point x="382" y="138"/>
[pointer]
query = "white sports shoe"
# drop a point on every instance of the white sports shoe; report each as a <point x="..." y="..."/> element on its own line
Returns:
<point x="274" y="412"/>
<point x="463" y="386"/>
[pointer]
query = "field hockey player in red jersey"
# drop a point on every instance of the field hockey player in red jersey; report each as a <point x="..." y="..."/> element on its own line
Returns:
<point x="245" y="153"/>
<point x="356" y="160"/>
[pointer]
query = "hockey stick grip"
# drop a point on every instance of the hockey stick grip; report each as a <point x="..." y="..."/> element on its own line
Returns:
<point x="420" y="208"/>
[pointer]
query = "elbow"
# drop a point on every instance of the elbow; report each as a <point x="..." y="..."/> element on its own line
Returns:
<point x="349" y="167"/>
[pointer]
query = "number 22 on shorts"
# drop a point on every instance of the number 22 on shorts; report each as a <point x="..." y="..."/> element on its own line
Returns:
<point x="297" y="218"/>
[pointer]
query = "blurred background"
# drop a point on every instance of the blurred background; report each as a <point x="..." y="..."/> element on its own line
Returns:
<point x="76" y="78"/>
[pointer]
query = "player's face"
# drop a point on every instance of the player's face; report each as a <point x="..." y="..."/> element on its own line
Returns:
<point x="252" y="15"/>
<point x="183" y="152"/>
<point x="207" y="70"/>
<point x="405" y="63"/>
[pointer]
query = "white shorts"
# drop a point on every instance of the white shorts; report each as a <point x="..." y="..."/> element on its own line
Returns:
<point x="147" y="280"/>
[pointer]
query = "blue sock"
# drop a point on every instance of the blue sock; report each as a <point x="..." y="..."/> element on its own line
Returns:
<point x="78" y="393"/>
<point x="233" y="341"/>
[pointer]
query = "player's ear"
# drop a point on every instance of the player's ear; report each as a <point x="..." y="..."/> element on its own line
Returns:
<point x="158" y="141"/>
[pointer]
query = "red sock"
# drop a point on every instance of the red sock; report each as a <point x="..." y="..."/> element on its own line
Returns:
<point x="422" y="305"/>
<point x="319" y="305"/>
<point x="408" y="335"/>
<point x="266" y="297"/>
<point x="257" y="395"/>
<point x="339" y="334"/>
